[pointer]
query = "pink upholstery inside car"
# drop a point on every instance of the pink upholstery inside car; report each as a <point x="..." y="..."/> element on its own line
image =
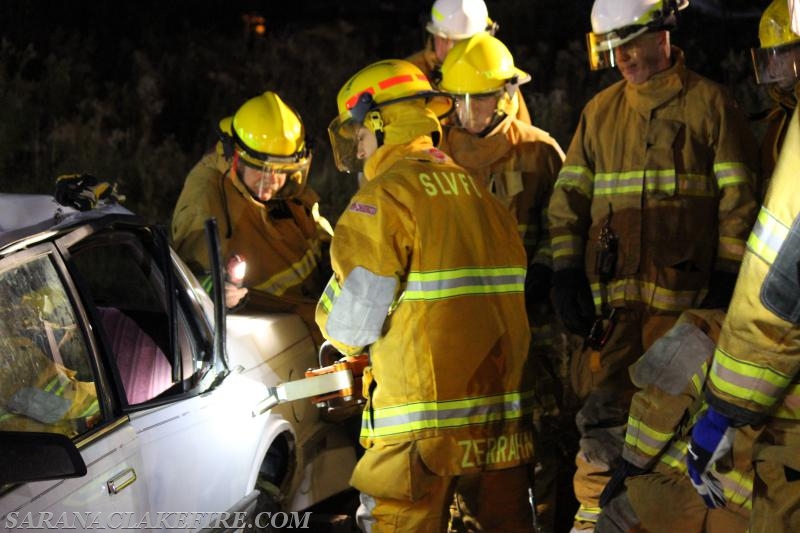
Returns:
<point x="143" y="368"/>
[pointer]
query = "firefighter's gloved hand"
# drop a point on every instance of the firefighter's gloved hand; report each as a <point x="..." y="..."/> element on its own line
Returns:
<point x="712" y="438"/>
<point x="82" y="191"/>
<point x="573" y="300"/>
<point x="720" y="290"/>
<point x="616" y="484"/>
<point x="537" y="283"/>
<point x="42" y="406"/>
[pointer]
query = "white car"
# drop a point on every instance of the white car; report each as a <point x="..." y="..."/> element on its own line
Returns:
<point x="119" y="408"/>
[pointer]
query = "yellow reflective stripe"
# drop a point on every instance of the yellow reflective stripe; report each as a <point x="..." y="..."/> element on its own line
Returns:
<point x="731" y="248"/>
<point x="295" y="274"/>
<point x="207" y="284"/>
<point x="576" y="177"/>
<point x="746" y="381"/>
<point x="566" y="245"/>
<point x="614" y="183"/>
<point x="647" y="292"/>
<point x="644" y="438"/>
<point x="90" y="409"/>
<point x="331" y="292"/>
<point x="660" y="180"/>
<point x="587" y="514"/>
<point x="57" y="385"/>
<point x="675" y="456"/>
<point x="699" y="378"/>
<point x="445" y="414"/>
<point x="436" y="285"/>
<point x="664" y="181"/>
<point x="767" y="236"/>
<point x="732" y="173"/>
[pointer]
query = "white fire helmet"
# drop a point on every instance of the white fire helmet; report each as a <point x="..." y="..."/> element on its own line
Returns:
<point x="616" y="22"/>
<point x="458" y="19"/>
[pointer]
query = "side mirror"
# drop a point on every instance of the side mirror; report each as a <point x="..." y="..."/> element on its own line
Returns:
<point x="29" y="456"/>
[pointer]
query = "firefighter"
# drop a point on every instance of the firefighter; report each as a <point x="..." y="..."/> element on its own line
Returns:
<point x="755" y="377"/>
<point x="429" y="274"/>
<point x="777" y="66"/>
<point x="671" y="376"/>
<point x="518" y="163"/>
<point x="453" y="21"/>
<point x="43" y="363"/>
<point x="648" y="217"/>
<point x="255" y="185"/>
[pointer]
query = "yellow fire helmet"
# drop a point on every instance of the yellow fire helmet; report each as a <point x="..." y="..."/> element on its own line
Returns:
<point x="369" y="91"/>
<point x="778" y="59"/>
<point x="268" y="135"/>
<point x="616" y="22"/>
<point x="481" y="67"/>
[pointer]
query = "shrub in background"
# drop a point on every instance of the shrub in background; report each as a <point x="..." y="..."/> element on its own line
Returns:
<point x="142" y="109"/>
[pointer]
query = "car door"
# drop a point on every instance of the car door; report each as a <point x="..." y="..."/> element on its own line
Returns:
<point x="196" y="432"/>
<point x="51" y="381"/>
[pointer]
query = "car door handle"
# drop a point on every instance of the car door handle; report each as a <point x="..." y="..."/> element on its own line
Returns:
<point x="121" y="480"/>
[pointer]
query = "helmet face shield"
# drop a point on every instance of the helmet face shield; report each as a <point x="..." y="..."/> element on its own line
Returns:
<point x="274" y="178"/>
<point x="476" y="112"/>
<point x="344" y="142"/>
<point x="778" y="64"/>
<point x="601" y="46"/>
<point x="343" y="130"/>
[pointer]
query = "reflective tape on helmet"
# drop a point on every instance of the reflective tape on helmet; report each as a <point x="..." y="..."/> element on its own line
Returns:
<point x="385" y="84"/>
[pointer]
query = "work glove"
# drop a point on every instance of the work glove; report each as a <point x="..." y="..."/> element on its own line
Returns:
<point x="537" y="284"/>
<point x="573" y="300"/>
<point x="720" y="290"/>
<point x="712" y="438"/>
<point x="82" y="191"/>
<point x="616" y="484"/>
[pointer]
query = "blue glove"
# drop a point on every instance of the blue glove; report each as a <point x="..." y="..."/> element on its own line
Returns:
<point x="712" y="438"/>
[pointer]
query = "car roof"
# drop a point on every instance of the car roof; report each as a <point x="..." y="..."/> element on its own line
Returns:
<point x="24" y="216"/>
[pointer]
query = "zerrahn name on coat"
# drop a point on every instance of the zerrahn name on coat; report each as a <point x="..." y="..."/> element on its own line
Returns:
<point x="479" y="452"/>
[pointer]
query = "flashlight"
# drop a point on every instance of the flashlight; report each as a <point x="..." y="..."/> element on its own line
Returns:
<point x="236" y="269"/>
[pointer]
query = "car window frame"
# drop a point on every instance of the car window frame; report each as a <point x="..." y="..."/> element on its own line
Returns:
<point x="197" y="332"/>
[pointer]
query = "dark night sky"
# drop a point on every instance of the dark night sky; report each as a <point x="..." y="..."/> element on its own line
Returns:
<point x="547" y="38"/>
<point x="113" y="21"/>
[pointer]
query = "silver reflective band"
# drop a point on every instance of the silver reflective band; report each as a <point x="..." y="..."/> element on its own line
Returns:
<point x="358" y="312"/>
